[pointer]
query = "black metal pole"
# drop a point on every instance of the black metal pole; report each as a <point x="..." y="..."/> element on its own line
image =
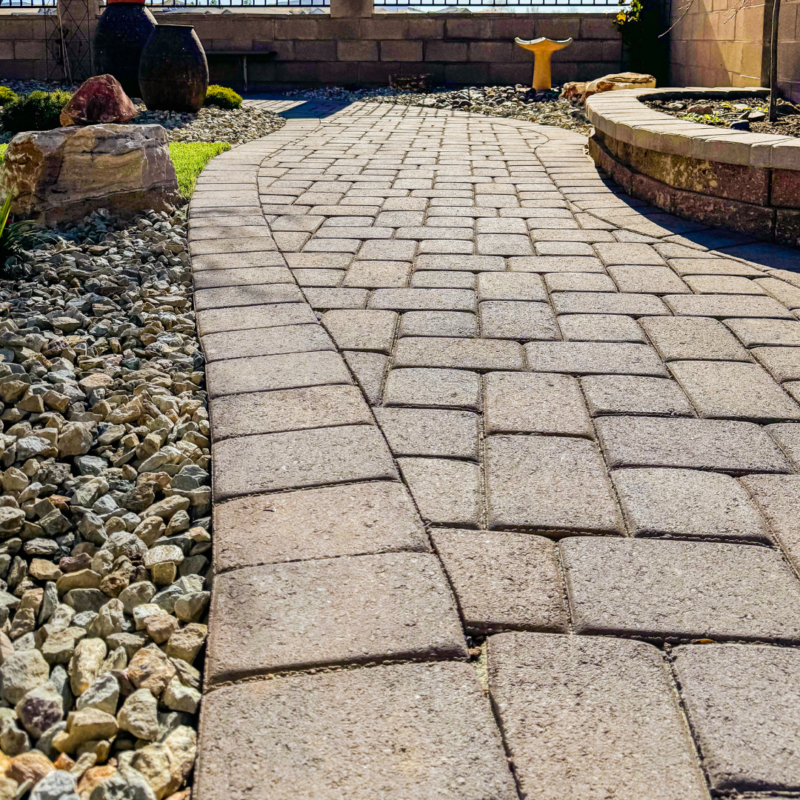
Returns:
<point x="773" y="62"/>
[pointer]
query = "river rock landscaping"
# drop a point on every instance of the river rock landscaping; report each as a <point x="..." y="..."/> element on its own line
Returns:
<point x="515" y="102"/>
<point x="104" y="516"/>
<point x="745" y="114"/>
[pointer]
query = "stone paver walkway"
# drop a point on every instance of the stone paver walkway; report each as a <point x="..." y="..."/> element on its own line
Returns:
<point x="506" y="474"/>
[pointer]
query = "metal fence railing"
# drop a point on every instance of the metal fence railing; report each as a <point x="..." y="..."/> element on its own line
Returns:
<point x="511" y="5"/>
<point x="45" y="6"/>
<point x="181" y="4"/>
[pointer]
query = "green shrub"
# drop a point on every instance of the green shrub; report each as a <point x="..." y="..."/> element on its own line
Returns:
<point x="7" y="95"/>
<point x="222" y="97"/>
<point x="37" y="111"/>
<point x="189" y="159"/>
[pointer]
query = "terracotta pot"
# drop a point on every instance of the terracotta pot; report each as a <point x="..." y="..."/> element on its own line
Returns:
<point x="173" y="72"/>
<point x="122" y="32"/>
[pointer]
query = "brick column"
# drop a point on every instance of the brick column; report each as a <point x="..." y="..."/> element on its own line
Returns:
<point x="350" y="9"/>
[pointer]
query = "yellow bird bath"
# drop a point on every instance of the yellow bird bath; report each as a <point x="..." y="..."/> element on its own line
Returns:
<point x="542" y="49"/>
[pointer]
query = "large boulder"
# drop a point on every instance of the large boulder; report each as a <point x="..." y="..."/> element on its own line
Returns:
<point x="67" y="173"/>
<point x="99" y="100"/>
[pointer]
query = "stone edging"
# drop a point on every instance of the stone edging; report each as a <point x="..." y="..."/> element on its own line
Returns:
<point x="746" y="181"/>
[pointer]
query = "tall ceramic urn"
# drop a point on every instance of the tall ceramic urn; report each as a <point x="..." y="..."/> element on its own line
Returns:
<point x="122" y="32"/>
<point x="173" y="73"/>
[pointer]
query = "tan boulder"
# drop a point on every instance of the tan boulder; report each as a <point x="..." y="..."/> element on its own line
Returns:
<point x="573" y="90"/>
<point x="619" y="80"/>
<point x="101" y="99"/>
<point x="66" y="173"/>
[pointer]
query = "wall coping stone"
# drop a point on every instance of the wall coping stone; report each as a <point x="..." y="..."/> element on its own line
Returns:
<point x="622" y="116"/>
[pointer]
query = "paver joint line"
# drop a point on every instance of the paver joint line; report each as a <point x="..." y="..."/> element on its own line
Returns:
<point x="462" y="386"/>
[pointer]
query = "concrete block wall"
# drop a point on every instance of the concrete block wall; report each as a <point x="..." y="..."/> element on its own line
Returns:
<point x="453" y="48"/>
<point x="354" y="45"/>
<point x="23" y="42"/>
<point x="712" y="46"/>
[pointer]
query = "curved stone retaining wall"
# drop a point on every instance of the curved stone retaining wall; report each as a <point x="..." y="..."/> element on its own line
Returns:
<point x="749" y="182"/>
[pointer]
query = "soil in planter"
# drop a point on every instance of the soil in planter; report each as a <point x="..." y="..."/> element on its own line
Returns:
<point x="746" y="114"/>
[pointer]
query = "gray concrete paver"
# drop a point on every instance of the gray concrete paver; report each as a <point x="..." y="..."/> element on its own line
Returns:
<point x="406" y="610"/>
<point x="503" y="580"/>
<point x="688" y="590"/>
<point x="548" y="483"/>
<point x="354" y="519"/>
<point x="351" y="733"/>
<point x="747" y="730"/>
<point x="591" y="718"/>
<point x="732" y="390"/>
<point x="689" y="504"/>
<point x="722" y="445"/>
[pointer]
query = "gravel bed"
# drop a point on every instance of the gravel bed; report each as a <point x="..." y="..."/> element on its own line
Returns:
<point x="210" y="124"/>
<point x="516" y="102"/>
<point x="105" y="540"/>
<point x="746" y="114"/>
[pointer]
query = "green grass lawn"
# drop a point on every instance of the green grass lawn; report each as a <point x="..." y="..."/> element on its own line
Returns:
<point x="189" y="159"/>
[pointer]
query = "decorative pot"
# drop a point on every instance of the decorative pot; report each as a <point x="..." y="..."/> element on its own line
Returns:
<point x="173" y="72"/>
<point x="122" y="32"/>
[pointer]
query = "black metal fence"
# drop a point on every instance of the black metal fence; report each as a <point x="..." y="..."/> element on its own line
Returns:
<point x="547" y="6"/>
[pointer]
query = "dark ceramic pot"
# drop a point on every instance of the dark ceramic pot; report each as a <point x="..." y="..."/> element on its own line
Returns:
<point x="173" y="72"/>
<point x="122" y="32"/>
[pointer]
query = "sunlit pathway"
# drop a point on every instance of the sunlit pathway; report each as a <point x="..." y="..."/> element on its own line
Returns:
<point x="505" y="474"/>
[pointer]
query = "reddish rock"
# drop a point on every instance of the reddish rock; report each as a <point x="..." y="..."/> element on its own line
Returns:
<point x="98" y="100"/>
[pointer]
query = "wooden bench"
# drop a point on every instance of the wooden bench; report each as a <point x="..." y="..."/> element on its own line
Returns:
<point x="261" y="55"/>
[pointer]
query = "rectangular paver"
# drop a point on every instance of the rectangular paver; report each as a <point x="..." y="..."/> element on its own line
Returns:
<point x="352" y="734"/>
<point x="587" y="358"/>
<point x="430" y="432"/>
<point x="692" y="590"/>
<point x="732" y="390"/>
<point x="503" y="580"/>
<point x="434" y="388"/>
<point x="689" y="504"/>
<point x="446" y="491"/>
<point x="747" y="730"/>
<point x="778" y="498"/>
<point x="297" y="459"/>
<point x="288" y="410"/>
<point x="634" y="394"/>
<point x="590" y="719"/>
<point x="343" y="610"/>
<point x="265" y="373"/>
<point x="693" y="338"/>
<point x="270" y="315"/>
<point x="548" y="483"/>
<point x="508" y="319"/>
<point x="266" y="342"/>
<point x="726" y="305"/>
<point x="600" y="328"/>
<point x="355" y="519"/>
<point x="727" y="446"/>
<point x="478" y="354"/>
<point x="517" y="402"/>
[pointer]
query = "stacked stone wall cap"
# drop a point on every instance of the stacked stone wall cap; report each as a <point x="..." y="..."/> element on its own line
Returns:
<point x="622" y="116"/>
